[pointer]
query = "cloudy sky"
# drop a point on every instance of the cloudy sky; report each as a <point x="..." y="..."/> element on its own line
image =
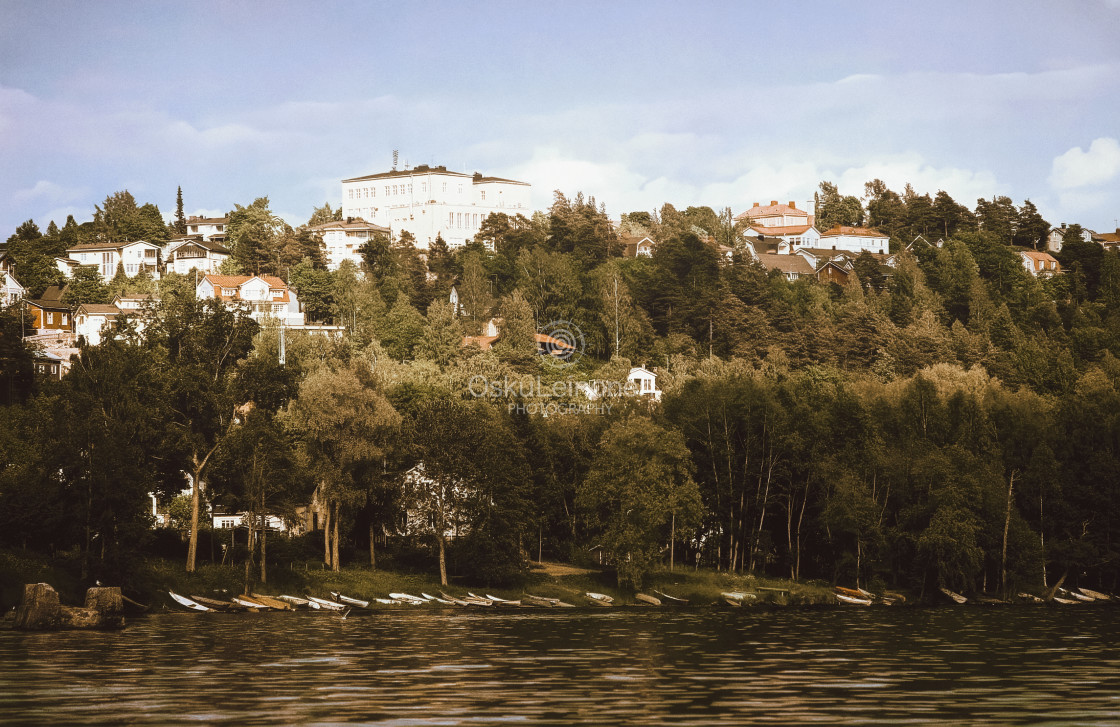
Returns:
<point x="635" y="103"/>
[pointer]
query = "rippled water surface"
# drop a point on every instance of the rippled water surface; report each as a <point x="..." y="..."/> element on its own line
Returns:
<point x="695" y="667"/>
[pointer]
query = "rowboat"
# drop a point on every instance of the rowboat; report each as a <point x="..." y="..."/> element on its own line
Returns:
<point x="188" y="603"/>
<point x="852" y="600"/>
<point x="348" y="600"/>
<point x="218" y="605"/>
<point x="277" y="604"/>
<point x="407" y="598"/>
<point x="955" y="597"/>
<point x="853" y="593"/>
<point x="440" y="601"/>
<point x="384" y="601"/>
<point x="738" y="596"/>
<point x="646" y="599"/>
<point x="1095" y="595"/>
<point x="295" y="601"/>
<point x="600" y="597"/>
<point x="672" y="600"/>
<point x="503" y="602"/>
<point x="541" y="601"/>
<point x="250" y="603"/>
<point x="329" y="605"/>
<point x="1064" y="601"/>
<point x="454" y="600"/>
<point x="1076" y="596"/>
<point x="1029" y="597"/>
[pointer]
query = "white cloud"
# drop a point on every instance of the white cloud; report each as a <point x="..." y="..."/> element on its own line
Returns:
<point x="1077" y="168"/>
<point x="47" y="192"/>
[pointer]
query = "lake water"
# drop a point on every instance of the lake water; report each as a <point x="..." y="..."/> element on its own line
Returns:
<point x="965" y="665"/>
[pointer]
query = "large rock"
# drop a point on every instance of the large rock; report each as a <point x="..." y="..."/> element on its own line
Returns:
<point x="39" y="609"/>
<point x="89" y="618"/>
<point x="105" y="599"/>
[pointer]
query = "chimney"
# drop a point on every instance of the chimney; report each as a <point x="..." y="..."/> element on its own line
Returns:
<point x="755" y="204"/>
<point x="1063" y="225"/>
<point x="792" y="205"/>
<point x="773" y="203"/>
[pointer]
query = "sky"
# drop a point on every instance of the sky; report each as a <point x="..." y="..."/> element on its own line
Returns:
<point x="634" y="103"/>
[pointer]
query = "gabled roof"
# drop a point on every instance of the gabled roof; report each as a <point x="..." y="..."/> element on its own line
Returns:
<point x="92" y="246"/>
<point x="786" y="263"/>
<point x="844" y="230"/>
<point x="353" y="225"/>
<point x="99" y="309"/>
<point x="207" y="220"/>
<point x="54" y="292"/>
<point x="783" y="231"/>
<point x="1040" y="256"/>
<point x="1108" y="237"/>
<point x="210" y="245"/>
<point x="772" y="210"/>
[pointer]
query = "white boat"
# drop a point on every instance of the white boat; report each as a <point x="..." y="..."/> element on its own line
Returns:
<point x="348" y="600"/>
<point x="647" y="599"/>
<point x="1064" y="601"/>
<point x="188" y="603"/>
<point x="1095" y="595"/>
<point x="601" y="597"/>
<point x="456" y="601"/>
<point x="329" y="605"/>
<point x="407" y="598"/>
<point x="955" y="597"/>
<point x="296" y="601"/>
<point x="853" y="600"/>
<point x="384" y="601"/>
<point x="249" y="603"/>
<point x="503" y="602"/>
<point x="440" y="601"/>
<point x="671" y="599"/>
<point x="1076" y="596"/>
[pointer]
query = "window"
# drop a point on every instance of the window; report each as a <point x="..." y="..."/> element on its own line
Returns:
<point x="450" y="219"/>
<point x="350" y="194"/>
<point x="445" y="186"/>
<point x="386" y="190"/>
<point x="394" y="189"/>
<point x="484" y="195"/>
<point x="149" y="254"/>
<point x="373" y="191"/>
<point x="64" y="319"/>
<point x="50" y="318"/>
<point x="460" y="189"/>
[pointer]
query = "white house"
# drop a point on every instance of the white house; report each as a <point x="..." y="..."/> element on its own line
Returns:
<point x="185" y="254"/>
<point x="343" y="239"/>
<point x="855" y="239"/>
<point x="92" y="321"/>
<point x="1056" y="236"/>
<point x="234" y="520"/>
<point x="1040" y="264"/>
<point x="136" y="256"/>
<point x="793" y="226"/>
<point x="637" y="246"/>
<point x="10" y="289"/>
<point x="644" y="383"/>
<point x="263" y="296"/>
<point x="430" y="201"/>
<point x="208" y="228"/>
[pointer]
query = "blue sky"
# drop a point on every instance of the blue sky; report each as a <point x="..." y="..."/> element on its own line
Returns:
<point x="637" y="104"/>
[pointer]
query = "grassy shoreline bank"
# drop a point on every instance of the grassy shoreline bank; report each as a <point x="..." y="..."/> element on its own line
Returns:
<point x="154" y="578"/>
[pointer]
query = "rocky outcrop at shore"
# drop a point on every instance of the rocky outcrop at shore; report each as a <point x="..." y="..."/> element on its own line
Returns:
<point x="41" y="610"/>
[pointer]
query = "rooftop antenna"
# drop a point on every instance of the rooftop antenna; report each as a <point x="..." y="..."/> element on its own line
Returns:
<point x="396" y="154"/>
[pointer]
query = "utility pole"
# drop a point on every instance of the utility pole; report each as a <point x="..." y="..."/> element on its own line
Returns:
<point x="616" y="315"/>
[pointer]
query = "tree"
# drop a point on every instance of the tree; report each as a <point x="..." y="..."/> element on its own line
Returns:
<point x="202" y="342"/>
<point x="469" y="479"/>
<point x="324" y="214"/>
<point x="252" y="234"/>
<point x="998" y="217"/>
<point x="120" y="219"/>
<point x="180" y="218"/>
<point x="518" y="343"/>
<point x="885" y="209"/>
<point x="834" y="209"/>
<point x="86" y="286"/>
<point x="347" y="426"/>
<point x="639" y="486"/>
<point x="475" y="295"/>
<point x="401" y="329"/>
<point x="16" y="363"/>
<point x="1030" y="227"/>
<point x="443" y="338"/>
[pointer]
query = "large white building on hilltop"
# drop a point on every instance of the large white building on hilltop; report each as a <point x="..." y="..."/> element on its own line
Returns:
<point x="430" y="201"/>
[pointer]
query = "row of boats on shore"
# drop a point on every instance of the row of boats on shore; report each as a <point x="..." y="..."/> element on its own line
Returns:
<point x="339" y="602"/>
<point x="1062" y="596"/>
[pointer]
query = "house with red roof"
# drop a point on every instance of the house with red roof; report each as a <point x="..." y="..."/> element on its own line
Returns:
<point x="262" y="296"/>
<point x="792" y="226"/>
<point x="855" y="239"/>
<point x="1040" y="264"/>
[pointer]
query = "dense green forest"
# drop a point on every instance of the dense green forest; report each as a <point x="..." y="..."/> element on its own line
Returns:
<point x="951" y="421"/>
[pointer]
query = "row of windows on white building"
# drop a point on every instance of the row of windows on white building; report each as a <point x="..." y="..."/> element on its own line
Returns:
<point x="396" y="190"/>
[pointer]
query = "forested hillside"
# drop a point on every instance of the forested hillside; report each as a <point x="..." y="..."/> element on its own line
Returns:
<point x="951" y="421"/>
